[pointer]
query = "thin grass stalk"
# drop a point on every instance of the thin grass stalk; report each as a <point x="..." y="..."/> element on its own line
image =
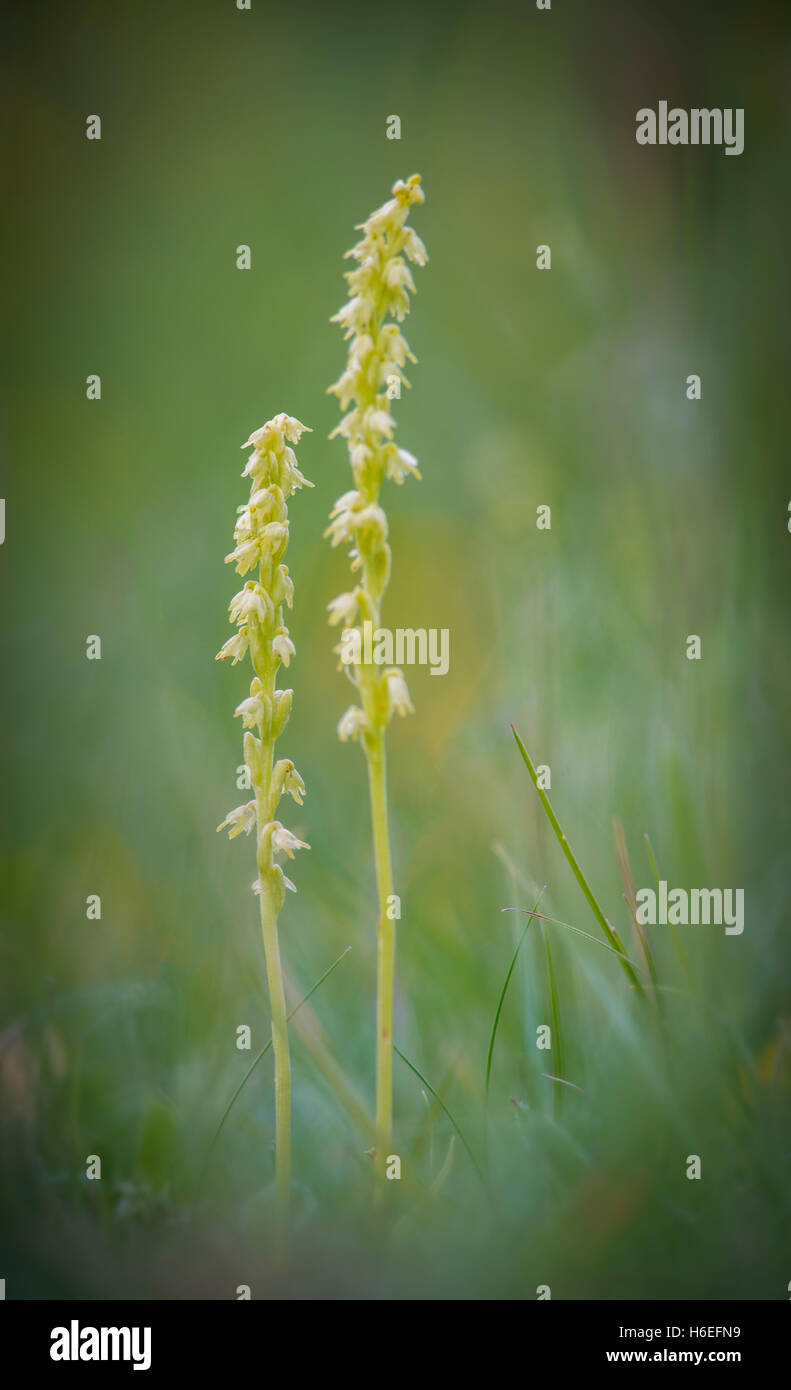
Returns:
<point x="609" y="931"/>
<point x="554" y="1008"/>
<point x="640" y="937"/>
<point x="577" y="931"/>
<point x="674" y="936"/>
<point x="440" y="1102"/>
<point x="503" y="992"/>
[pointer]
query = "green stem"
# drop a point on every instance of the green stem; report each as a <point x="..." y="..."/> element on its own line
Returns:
<point x="280" y="1047"/>
<point x="266" y="670"/>
<point x="385" y="967"/>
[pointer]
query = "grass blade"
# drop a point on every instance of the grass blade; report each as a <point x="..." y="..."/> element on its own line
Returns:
<point x="642" y="944"/>
<point x="561" y="1080"/>
<point x="506" y="983"/>
<point x="557" y="1038"/>
<point x="603" y="944"/>
<point x="609" y="932"/>
<point x="441" y="1102"/>
<point x="674" y="936"/>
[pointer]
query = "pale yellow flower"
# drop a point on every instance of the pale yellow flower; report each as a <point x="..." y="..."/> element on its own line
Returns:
<point x="352" y="723"/>
<point x="343" y="609"/>
<point x="397" y="693"/>
<point x="235" y="647"/>
<point x="241" y="820"/>
<point x="283" y="647"/>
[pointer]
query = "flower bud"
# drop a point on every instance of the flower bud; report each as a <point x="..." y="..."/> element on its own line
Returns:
<point x="281" y="709"/>
<point x="252" y="755"/>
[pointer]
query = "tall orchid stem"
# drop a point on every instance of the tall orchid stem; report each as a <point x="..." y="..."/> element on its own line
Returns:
<point x="280" y="1047"/>
<point x="379" y="288"/>
<point x="266" y="670"/>
<point x="261" y="534"/>
<point x="385" y="967"/>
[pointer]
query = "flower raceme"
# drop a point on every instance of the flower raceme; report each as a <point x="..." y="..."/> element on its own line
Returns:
<point x="380" y="285"/>
<point x="261" y="535"/>
<point x="379" y="288"/>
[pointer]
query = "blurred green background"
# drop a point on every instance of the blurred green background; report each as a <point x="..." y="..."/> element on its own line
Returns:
<point x="564" y="388"/>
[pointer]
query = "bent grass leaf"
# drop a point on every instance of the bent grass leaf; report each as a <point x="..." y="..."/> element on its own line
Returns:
<point x="610" y="934"/>
<point x="501" y="1000"/>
